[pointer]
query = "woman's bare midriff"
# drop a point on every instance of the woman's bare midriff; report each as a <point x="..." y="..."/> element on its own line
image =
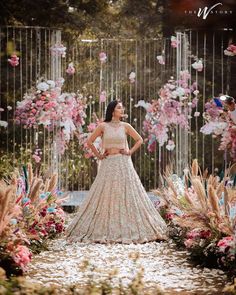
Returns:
<point x="113" y="151"/>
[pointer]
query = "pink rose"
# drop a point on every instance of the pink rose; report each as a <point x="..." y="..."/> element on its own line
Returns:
<point x="22" y="256"/>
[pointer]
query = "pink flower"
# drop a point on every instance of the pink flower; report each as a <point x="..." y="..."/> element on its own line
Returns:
<point x="36" y="158"/>
<point x="102" y="57"/>
<point x="92" y="126"/>
<point x="103" y="97"/>
<point x="231" y="50"/>
<point x="14" y="60"/>
<point x="189" y="243"/>
<point x="174" y="42"/>
<point x="224" y="242"/>
<point x="39" y="103"/>
<point x="70" y="70"/>
<point x="22" y="256"/>
<point x="169" y="216"/>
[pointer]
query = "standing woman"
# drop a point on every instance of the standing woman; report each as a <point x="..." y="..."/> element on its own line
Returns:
<point x="117" y="208"/>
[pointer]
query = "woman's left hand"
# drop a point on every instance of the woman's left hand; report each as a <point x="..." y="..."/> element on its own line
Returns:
<point x="125" y="152"/>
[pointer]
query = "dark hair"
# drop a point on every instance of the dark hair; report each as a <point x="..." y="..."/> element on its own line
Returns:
<point x="110" y="109"/>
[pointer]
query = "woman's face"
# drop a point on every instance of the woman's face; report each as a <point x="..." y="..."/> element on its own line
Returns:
<point x="119" y="110"/>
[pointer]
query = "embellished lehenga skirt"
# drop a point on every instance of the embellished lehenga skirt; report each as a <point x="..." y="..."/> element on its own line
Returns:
<point x="117" y="208"/>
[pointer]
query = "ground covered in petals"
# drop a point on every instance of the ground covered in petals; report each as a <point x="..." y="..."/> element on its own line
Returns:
<point x="161" y="264"/>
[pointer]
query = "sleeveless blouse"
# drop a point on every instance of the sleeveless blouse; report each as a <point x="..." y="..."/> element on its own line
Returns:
<point x="114" y="137"/>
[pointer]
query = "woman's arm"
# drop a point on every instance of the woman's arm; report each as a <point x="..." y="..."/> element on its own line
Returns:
<point x="97" y="132"/>
<point x="135" y="135"/>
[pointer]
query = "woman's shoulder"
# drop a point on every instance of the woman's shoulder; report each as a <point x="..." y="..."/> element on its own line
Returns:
<point x="126" y="124"/>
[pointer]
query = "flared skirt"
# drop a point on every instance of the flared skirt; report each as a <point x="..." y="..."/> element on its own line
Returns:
<point x="117" y="208"/>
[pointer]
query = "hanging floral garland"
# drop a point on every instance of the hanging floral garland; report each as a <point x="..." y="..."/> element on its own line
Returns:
<point x="172" y="108"/>
<point x="46" y="105"/>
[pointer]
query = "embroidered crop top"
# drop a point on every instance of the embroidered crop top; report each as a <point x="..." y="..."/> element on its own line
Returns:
<point x="114" y="136"/>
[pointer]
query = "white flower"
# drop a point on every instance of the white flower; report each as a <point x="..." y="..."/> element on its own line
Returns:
<point x="51" y="83"/>
<point x="170" y="146"/>
<point x="198" y="65"/>
<point x="213" y="127"/>
<point x="42" y="86"/>
<point x="180" y="91"/>
<point x="174" y="94"/>
<point x="195" y="92"/>
<point x="189" y="104"/>
<point x="229" y="53"/>
<point x="196" y="114"/>
<point x="9" y="108"/>
<point x="132" y="75"/>
<point x="142" y="103"/>
<point x="160" y="59"/>
<point x="3" y="124"/>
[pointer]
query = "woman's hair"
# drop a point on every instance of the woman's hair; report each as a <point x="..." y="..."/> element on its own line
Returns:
<point x="110" y="109"/>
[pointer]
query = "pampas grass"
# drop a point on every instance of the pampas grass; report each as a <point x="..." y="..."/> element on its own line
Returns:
<point x="35" y="190"/>
<point x="53" y="182"/>
<point x="202" y="205"/>
<point x="200" y="191"/>
<point x="213" y="199"/>
<point x="195" y="168"/>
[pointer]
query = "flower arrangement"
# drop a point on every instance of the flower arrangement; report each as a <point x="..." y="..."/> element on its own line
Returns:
<point x="46" y="105"/>
<point x="201" y="213"/>
<point x="219" y="124"/>
<point x="30" y="214"/>
<point x="172" y="108"/>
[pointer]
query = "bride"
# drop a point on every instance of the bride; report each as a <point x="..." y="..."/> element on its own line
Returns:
<point x="117" y="208"/>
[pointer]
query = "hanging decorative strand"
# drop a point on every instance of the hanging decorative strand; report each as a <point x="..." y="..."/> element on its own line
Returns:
<point x="213" y="94"/>
<point x="196" y="117"/>
<point x="204" y="96"/>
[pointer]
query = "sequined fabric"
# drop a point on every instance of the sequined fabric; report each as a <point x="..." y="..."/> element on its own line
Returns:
<point x="114" y="136"/>
<point x="117" y="208"/>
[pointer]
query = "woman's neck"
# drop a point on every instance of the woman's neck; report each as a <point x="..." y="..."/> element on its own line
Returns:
<point x="115" y="120"/>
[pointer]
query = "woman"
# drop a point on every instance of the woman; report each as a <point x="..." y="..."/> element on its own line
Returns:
<point x="117" y="208"/>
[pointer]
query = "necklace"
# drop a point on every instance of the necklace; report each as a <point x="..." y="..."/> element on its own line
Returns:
<point x="115" y="121"/>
